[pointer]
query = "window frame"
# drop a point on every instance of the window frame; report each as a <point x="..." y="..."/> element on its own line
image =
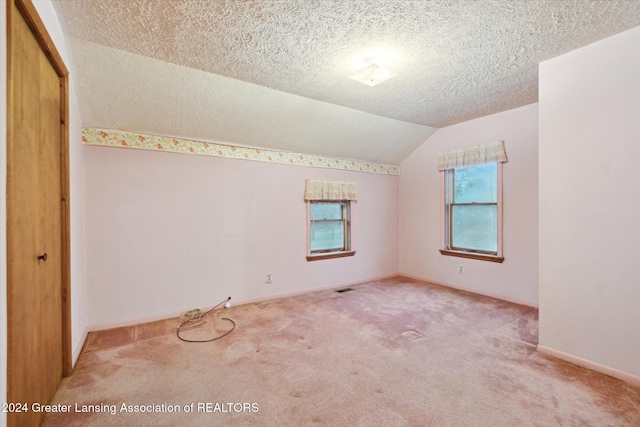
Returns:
<point x="345" y="250"/>
<point x="447" y="195"/>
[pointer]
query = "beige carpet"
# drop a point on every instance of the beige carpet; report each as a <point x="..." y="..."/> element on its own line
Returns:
<point x="388" y="353"/>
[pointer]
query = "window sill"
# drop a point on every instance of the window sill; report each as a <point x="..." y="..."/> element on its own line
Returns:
<point x="329" y="255"/>
<point x="473" y="255"/>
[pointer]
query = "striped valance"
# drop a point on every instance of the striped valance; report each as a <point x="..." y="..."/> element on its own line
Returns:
<point x="493" y="152"/>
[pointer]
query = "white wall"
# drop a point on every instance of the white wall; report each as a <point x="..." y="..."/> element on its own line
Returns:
<point x="420" y="224"/>
<point x="170" y="232"/>
<point x="590" y="203"/>
<point x="78" y="284"/>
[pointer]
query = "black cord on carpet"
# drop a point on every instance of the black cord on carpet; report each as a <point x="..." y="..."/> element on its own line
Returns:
<point x="198" y="316"/>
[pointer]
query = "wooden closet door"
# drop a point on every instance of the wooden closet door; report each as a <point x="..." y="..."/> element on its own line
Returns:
<point x="35" y="226"/>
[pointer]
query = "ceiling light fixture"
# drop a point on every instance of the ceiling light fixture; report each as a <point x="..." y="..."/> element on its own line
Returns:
<point x="373" y="73"/>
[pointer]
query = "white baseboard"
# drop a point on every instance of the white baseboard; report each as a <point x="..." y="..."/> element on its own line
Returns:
<point x="147" y="319"/>
<point x="78" y="349"/>
<point x="472" y="290"/>
<point x="133" y="322"/>
<point x="316" y="289"/>
<point x="624" y="376"/>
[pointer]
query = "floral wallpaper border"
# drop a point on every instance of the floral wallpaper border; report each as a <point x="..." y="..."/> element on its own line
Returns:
<point x="117" y="138"/>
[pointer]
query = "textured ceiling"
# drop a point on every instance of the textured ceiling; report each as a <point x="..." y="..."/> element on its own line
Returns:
<point x="456" y="59"/>
<point x="152" y="96"/>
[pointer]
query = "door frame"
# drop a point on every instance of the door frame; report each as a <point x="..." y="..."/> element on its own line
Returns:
<point x="37" y="27"/>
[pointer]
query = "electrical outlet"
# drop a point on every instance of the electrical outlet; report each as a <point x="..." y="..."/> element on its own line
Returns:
<point x="267" y="278"/>
<point x="460" y="269"/>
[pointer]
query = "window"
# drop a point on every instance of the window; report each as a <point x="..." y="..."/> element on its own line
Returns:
<point x="329" y="226"/>
<point x="329" y="220"/>
<point x="472" y="209"/>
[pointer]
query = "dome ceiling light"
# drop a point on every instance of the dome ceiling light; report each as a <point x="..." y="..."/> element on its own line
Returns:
<point x="373" y="73"/>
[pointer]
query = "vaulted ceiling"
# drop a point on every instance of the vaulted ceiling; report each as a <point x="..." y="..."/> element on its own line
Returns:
<point x="274" y="73"/>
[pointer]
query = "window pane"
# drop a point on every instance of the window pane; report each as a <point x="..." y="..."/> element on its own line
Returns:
<point x="327" y="235"/>
<point x="326" y="211"/>
<point x="475" y="227"/>
<point x="476" y="184"/>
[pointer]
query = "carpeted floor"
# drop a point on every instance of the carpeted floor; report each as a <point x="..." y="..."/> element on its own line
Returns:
<point x="388" y="353"/>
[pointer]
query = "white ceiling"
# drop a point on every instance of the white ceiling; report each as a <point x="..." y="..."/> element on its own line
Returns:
<point x="274" y="73"/>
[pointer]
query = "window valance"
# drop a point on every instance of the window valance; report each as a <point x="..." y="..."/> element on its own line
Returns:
<point x="329" y="190"/>
<point x="493" y="152"/>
